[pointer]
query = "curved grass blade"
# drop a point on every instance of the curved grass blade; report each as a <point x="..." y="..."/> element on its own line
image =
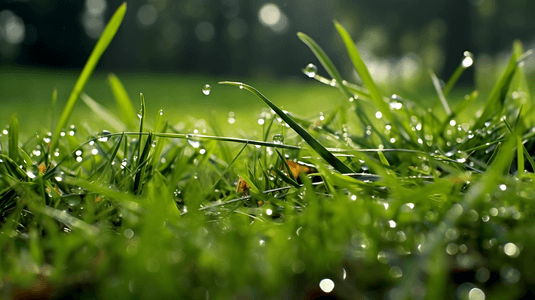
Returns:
<point x="465" y="64"/>
<point x="441" y="96"/>
<point x="100" y="47"/>
<point x="124" y="104"/>
<point x="496" y="98"/>
<point x="325" y="62"/>
<point x="13" y="138"/>
<point x="324" y="153"/>
<point x="363" y="72"/>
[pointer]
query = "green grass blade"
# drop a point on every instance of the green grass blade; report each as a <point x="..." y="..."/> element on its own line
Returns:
<point x="465" y="63"/>
<point x="225" y="171"/>
<point x="286" y="166"/>
<point x="141" y="116"/>
<point x="103" y="42"/>
<point x="325" y="62"/>
<point x="436" y="84"/>
<point x="363" y="72"/>
<point x="124" y="104"/>
<point x="285" y="177"/>
<point x="324" y="153"/>
<point x="103" y="113"/>
<point x="495" y="100"/>
<point x="13" y="138"/>
<point x="109" y="163"/>
<point x="142" y="165"/>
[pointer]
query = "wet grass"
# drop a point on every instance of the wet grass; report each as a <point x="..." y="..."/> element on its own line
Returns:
<point x="380" y="197"/>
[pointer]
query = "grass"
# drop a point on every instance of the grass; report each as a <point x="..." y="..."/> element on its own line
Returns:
<point x="378" y="198"/>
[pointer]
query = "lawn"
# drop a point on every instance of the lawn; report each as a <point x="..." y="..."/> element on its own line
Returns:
<point x="378" y="197"/>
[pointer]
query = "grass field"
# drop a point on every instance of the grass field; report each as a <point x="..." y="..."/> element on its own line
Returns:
<point x="379" y="197"/>
<point x="180" y="96"/>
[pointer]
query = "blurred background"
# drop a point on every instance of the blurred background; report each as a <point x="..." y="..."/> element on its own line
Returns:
<point x="257" y="37"/>
<point x="253" y="40"/>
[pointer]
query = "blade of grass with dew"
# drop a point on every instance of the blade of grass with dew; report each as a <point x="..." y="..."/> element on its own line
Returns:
<point x="124" y="104"/>
<point x="438" y="89"/>
<point x="13" y="138"/>
<point x="467" y="62"/>
<point x="324" y="153"/>
<point x="141" y="116"/>
<point x="494" y="103"/>
<point x="142" y="165"/>
<point x="363" y="72"/>
<point x="110" y="160"/>
<point x="286" y="166"/>
<point x="520" y="148"/>
<point x="285" y="178"/>
<point x="325" y="62"/>
<point x="225" y="171"/>
<point x="102" y="43"/>
<point x="13" y="168"/>
<point x="103" y="113"/>
<point x="520" y="95"/>
<point x="159" y="126"/>
<point x="159" y="147"/>
<point x="435" y="238"/>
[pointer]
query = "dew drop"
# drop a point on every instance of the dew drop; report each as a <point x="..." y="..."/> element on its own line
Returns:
<point x="396" y="105"/>
<point x="206" y="89"/>
<point x="333" y="82"/>
<point x="311" y="70"/>
<point x="327" y="285"/>
<point x="468" y="59"/>
<point x="278" y="139"/>
<point x="511" y="250"/>
<point x="476" y="294"/>
<point x="378" y="115"/>
<point x="396" y="272"/>
<point x="72" y="130"/>
<point x="104" y="136"/>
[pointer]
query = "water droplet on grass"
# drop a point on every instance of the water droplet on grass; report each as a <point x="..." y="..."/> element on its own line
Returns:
<point x="206" y="89"/>
<point x="511" y="250"/>
<point x="468" y="59"/>
<point x="378" y="114"/>
<point x="278" y="139"/>
<point x="311" y="70"/>
<point x="104" y="136"/>
<point x="396" y="272"/>
<point x="476" y="294"/>
<point x="327" y="285"/>
<point x="72" y="130"/>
